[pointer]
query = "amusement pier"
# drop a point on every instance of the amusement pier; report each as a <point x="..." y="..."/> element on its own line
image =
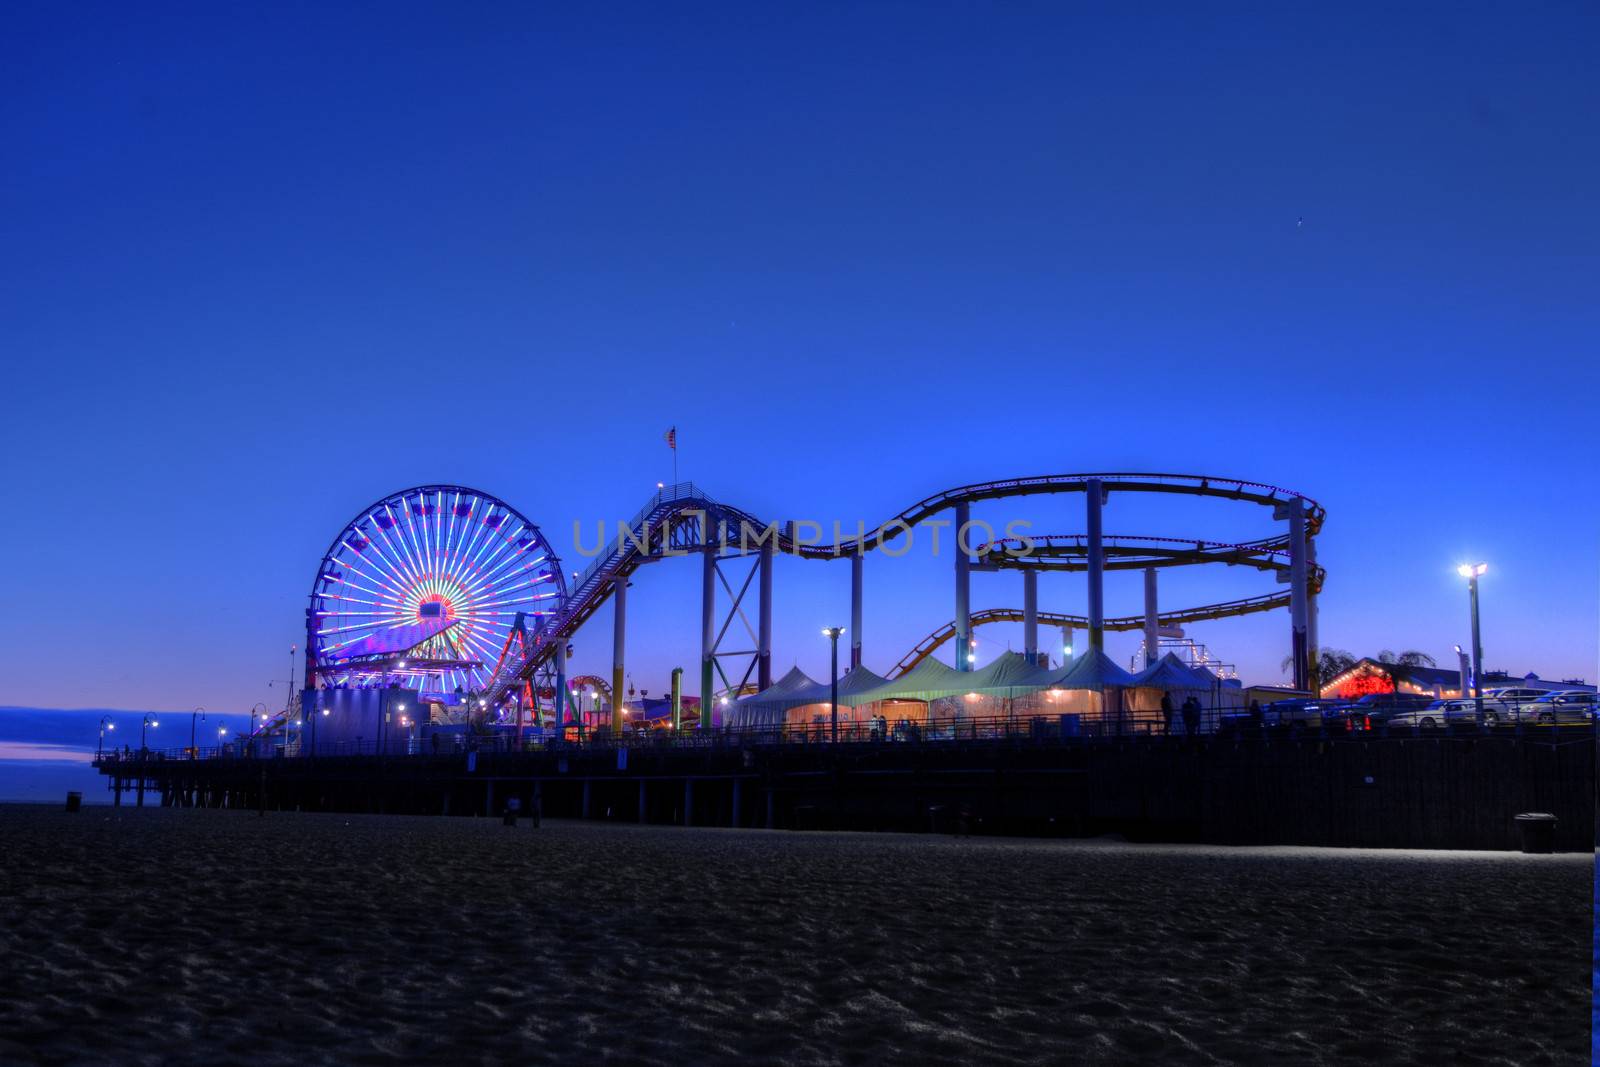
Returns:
<point x="436" y="680"/>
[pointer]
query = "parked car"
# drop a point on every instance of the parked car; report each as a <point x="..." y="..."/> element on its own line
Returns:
<point x="1568" y="706"/>
<point x="1295" y="713"/>
<point x="1437" y="715"/>
<point x="1372" y="710"/>
<point x="1514" y="696"/>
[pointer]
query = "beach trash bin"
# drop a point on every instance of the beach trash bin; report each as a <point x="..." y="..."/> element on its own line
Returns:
<point x="513" y="809"/>
<point x="74" y="801"/>
<point x="1538" y="829"/>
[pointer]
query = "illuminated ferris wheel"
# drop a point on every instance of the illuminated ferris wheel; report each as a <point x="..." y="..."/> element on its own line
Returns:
<point x="423" y="588"/>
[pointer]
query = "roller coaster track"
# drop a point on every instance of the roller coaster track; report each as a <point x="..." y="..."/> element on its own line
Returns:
<point x="946" y="633"/>
<point x="1069" y="552"/>
<point x="674" y="520"/>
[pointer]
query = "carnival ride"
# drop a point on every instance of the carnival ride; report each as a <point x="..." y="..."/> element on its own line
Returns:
<point x="423" y="588"/>
<point x="453" y="580"/>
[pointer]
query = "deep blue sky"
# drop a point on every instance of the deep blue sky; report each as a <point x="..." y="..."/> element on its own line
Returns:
<point x="264" y="266"/>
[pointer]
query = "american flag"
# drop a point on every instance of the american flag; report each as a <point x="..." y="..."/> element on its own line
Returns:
<point x="672" y="438"/>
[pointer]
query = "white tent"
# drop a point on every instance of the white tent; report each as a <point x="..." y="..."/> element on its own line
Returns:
<point x="1094" y="670"/>
<point x="1009" y="675"/>
<point x="767" y="707"/>
<point x="928" y="680"/>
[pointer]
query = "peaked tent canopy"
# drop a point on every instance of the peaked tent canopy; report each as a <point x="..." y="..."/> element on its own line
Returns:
<point x="1169" y="672"/>
<point x="1093" y="670"/>
<point x="1008" y="674"/>
<point x="928" y="680"/>
<point x="761" y="708"/>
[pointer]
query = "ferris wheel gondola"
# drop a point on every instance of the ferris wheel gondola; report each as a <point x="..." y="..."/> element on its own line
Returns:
<point x="422" y="589"/>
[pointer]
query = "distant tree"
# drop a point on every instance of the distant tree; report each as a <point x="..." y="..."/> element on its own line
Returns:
<point x="1398" y="664"/>
<point x="1326" y="665"/>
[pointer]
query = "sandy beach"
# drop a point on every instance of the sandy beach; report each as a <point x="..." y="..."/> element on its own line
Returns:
<point x="203" y="937"/>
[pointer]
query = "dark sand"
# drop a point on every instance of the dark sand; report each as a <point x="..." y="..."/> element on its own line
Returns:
<point x="175" y="937"/>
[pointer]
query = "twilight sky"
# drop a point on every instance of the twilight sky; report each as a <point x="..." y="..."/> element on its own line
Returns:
<point x="263" y="267"/>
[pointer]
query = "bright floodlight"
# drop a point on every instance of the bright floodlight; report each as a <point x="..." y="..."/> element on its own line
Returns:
<point x="111" y="726"/>
<point x="832" y="631"/>
<point x="402" y="664"/>
<point x="402" y="707"/>
<point x="1067" y="649"/>
<point x="1472" y="570"/>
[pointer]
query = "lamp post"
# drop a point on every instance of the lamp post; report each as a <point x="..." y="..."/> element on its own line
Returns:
<point x="197" y="713"/>
<point x="105" y="724"/>
<point x="253" y="707"/>
<point x="144" y="725"/>
<point x="832" y="634"/>
<point x="1472" y="572"/>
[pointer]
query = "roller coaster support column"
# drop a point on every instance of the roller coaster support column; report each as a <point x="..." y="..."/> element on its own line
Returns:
<point x="1030" y="615"/>
<point x="1097" y="566"/>
<point x="1295" y="512"/>
<point x="561" y="688"/>
<point x="619" y="634"/>
<point x="677" y="699"/>
<point x="1313" y="650"/>
<point x="708" y="639"/>
<point x="1152" y="619"/>
<point x="963" y="590"/>
<point x="855" y="608"/>
<point x="764" y="619"/>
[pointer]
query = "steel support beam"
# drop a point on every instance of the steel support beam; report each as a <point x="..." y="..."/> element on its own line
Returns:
<point x="1313" y="650"/>
<point x="963" y="590"/>
<point x="1030" y="615"/>
<point x="561" y="687"/>
<point x="1068" y="645"/>
<point x="764" y="618"/>
<point x="708" y="639"/>
<point x="1298" y="588"/>
<point x="1152" y="618"/>
<point x="1095" y="495"/>
<point x="619" y="637"/>
<point x="855" y="609"/>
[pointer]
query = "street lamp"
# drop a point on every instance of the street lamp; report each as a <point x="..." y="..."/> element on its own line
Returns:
<point x="197" y="713"/>
<point x="1472" y="572"/>
<point x="105" y="724"/>
<point x="149" y="721"/>
<point x="253" y="707"/>
<point x="832" y="634"/>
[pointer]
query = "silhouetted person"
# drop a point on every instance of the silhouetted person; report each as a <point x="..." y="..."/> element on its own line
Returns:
<point x="1191" y="717"/>
<point x="1166" y="713"/>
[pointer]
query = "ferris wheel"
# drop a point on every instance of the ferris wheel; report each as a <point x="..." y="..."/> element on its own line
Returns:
<point x="422" y="589"/>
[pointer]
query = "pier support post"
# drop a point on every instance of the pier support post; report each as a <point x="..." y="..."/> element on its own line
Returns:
<point x="688" y="802"/>
<point x="1152" y="619"/>
<point x="587" y="797"/>
<point x="738" y="796"/>
<point x="643" y="807"/>
<point x="771" y="810"/>
<point x="1030" y="615"/>
<point x="488" y="799"/>
<point x="619" y="637"/>
<point x="856" y="566"/>
<point x="1097" y="565"/>
<point x="764" y="617"/>
<point x="708" y="607"/>
<point x="963" y="590"/>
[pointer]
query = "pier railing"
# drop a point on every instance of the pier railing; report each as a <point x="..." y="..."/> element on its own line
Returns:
<point x="1020" y="730"/>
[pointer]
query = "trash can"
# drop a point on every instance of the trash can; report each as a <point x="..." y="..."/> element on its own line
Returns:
<point x="74" y="801"/>
<point x="1538" y="831"/>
